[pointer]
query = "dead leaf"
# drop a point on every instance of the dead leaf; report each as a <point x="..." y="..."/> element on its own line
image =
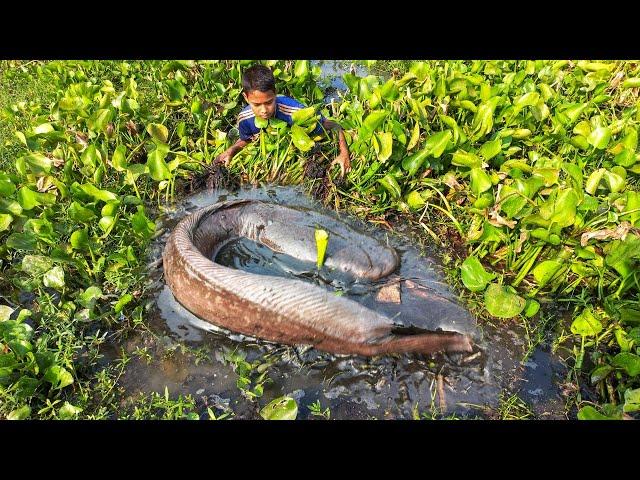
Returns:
<point x="524" y="235"/>
<point x="131" y="127"/>
<point x="618" y="233"/>
<point x="497" y="221"/>
<point x="615" y="81"/>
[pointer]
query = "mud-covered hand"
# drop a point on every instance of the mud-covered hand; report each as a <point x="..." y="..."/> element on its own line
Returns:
<point x="344" y="162"/>
<point x="223" y="159"/>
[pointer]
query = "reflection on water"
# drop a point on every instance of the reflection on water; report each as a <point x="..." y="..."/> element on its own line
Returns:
<point x="386" y="387"/>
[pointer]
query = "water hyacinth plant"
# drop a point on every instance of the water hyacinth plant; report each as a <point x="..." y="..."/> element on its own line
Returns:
<point x="526" y="170"/>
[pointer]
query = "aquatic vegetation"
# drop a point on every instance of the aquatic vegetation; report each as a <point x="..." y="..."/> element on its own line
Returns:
<point x="527" y="171"/>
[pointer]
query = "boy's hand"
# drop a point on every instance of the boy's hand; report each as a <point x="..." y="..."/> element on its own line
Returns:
<point x="344" y="162"/>
<point x="224" y="158"/>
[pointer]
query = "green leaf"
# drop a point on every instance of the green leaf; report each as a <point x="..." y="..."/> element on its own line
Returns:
<point x="260" y="122"/>
<point x="583" y="129"/>
<point x="627" y="361"/>
<point x="22" y="241"/>
<point x="37" y="163"/>
<point x="158" y="169"/>
<point x="633" y="206"/>
<point x="633" y="82"/>
<point x="415" y="200"/>
<point x="386" y="145"/>
<point x="623" y="251"/>
<point x="124" y="299"/>
<point x="303" y="115"/>
<point x="91" y="156"/>
<point x="415" y="136"/>
<point x="158" y="131"/>
<point x="54" y="278"/>
<point x="560" y="208"/>
<point x="413" y="162"/>
<point x="29" y="199"/>
<point x="590" y="413"/>
<point x="564" y="209"/>
<point x="474" y="276"/>
<point x="586" y="324"/>
<point x="26" y="387"/>
<point x="106" y="223"/>
<point x="480" y="181"/>
<point x="375" y="119"/>
<point x="600" y="373"/>
<point x="301" y="68"/>
<point x="5" y="221"/>
<point x="5" y="312"/>
<point x="631" y="400"/>
<point x="36" y="265"/>
<point x="68" y="411"/>
<point x="58" y="377"/>
<point x="625" y="158"/>
<point x="79" y="239"/>
<point x="594" y="180"/>
<point x="531" y="308"/>
<point x="437" y="143"/>
<point x="630" y="141"/>
<point x="96" y="193"/>
<point x="176" y="92"/>
<point x="282" y="408"/>
<point x="490" y="149"/>
<point x="99" y="120"/>
<point x="141" y="224"/>
<point x="483" y="119"/>
<point x="544" y="271"/>
<point x="464" y="159"/>
<point x="300" y="139"/>
<point x="20" y="413"/>
<point x="89" y="297"/>
<point x="529" y="99"/>
<point x="501" y="303"/>
<point x="118" y="160"/>
<point x="6" y="187"/>
<point x="511" y="201"/>
<point x="79" y="213"/>
<point x="615" y="182"/>
<point x="571" y="113"/>
<point x="600" y="137"/>
<point x="391" y="185"/>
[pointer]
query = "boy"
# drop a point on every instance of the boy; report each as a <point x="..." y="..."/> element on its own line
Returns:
<point x="259" y="90"/>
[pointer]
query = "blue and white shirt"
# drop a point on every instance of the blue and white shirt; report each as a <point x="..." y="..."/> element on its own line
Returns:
<point x="285" y="106"/>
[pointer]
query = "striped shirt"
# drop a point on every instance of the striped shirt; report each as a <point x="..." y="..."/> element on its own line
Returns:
<point x="285" y="106"/>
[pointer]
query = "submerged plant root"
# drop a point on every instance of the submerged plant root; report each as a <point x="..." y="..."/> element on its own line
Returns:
<point x="215" y="177"/>
<point x="316" y="171"/>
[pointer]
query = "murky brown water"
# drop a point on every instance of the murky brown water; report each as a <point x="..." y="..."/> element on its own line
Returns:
<point x="353" y="387"/>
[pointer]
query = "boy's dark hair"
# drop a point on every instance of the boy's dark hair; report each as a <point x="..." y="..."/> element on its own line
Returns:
<point x="258" y="77"/>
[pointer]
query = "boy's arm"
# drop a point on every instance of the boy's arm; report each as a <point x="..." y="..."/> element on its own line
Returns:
<point x="343" y="157"/>
<point x="226" y="156"/>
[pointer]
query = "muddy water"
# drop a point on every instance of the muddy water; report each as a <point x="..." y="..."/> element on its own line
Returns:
<point x="352" y="387"/>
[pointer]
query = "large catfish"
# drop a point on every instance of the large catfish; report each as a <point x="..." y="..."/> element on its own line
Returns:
<point x="286" y="310"/>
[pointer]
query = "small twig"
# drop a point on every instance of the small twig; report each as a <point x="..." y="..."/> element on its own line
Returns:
<point x="441" y="396"/>
<point x="155" y="264"/>
<point x="471" y="358"/>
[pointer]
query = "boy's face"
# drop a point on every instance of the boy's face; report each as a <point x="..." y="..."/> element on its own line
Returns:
<point x="263" y="104"/>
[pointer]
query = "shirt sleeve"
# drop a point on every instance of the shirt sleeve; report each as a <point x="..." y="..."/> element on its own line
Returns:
<point x="245" y="131"/>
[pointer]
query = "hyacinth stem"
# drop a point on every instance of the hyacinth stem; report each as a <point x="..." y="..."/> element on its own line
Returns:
<point x="322" y="239"/>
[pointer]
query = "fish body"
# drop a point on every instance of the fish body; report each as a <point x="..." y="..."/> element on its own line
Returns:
<point x="284" y="310"/>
